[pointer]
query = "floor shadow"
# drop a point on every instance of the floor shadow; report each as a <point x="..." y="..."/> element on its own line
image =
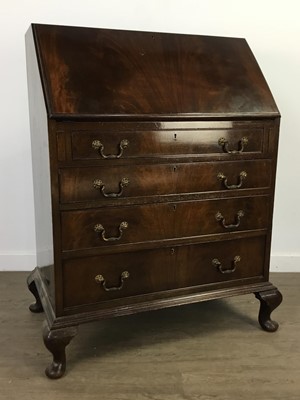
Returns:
<point x="118" y="335"/>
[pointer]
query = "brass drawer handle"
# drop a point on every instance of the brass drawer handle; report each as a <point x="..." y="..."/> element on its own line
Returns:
<point x="100" y="229"/>
<point x="239" y="215"/>
<point x="98" y="184"/>
<point x="216" y="263"/>
<point x="97" y="145"/>
<point x="222" y="177"/>
<point x="100" y="279"/>
<point x="224" y="144"/>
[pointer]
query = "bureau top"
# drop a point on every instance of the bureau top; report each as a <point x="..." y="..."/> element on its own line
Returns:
<point x="103" y="73"/>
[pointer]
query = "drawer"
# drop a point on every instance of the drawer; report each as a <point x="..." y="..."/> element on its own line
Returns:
<point x="134" y="224"/>
<point x="102" y="183"/>
<point x="102" y="278"/>
<point x="109" y="142"/>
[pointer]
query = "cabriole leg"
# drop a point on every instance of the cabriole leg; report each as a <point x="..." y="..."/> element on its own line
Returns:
<point x="56" y="341"/>
<point x="269" y="300"/>
<point x="37" y="306"/>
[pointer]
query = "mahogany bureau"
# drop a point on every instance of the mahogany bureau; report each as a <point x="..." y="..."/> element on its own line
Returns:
<point x="154" y="160"/>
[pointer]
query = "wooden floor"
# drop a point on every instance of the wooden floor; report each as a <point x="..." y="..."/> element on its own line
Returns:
<point x="207" y="351"/>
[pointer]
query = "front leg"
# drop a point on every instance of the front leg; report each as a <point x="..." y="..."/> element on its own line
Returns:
<point x="56" y="341"/>
<point x="269" y="300"/>
<point x="37" y="306"/>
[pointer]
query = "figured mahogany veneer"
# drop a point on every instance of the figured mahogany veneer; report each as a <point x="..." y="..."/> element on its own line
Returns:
<point x="150" y="180"/>
<point x="149" y="143"/>
<point x="162" y="269"/>
<point x="154" y="161"/>
<point x="152" y="222"/>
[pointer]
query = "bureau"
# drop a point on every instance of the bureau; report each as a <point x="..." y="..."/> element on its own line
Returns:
<point x="154" y="161"/>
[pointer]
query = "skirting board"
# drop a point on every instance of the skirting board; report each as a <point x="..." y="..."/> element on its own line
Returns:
<point x="27" y="262"/>
<point x="17" y="261"/>
<point x="285" y="263"/>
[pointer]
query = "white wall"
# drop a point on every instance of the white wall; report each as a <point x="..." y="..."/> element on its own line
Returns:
<point x="272" y="30"/>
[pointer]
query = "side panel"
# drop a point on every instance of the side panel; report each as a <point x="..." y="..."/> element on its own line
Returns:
<point x="41" y="166"/>
<point x="273" y="146"/>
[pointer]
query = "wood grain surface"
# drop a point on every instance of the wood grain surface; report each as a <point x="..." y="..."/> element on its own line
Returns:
<point x="80" y="184"/>
<point x="153" y="222"/>
<point x="161" y="270"/>
<point x="93" y="72"/>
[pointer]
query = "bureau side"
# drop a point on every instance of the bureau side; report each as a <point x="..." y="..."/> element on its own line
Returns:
<point x="273" y="150"/>
<point x="39" y="128"/>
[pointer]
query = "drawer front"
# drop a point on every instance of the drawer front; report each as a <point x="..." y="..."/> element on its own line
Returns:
<point x="102" y="183"/>
<point x="95" y="279"/>
<point x="133" y="224"/>
<point x="101" y="144"/>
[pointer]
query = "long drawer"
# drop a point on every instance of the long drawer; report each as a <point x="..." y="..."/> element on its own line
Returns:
<point x="133" y="224"/>
<point x="106" y="142"/>
<point x="124" y="181"/>
<point x="102" y="278"/>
